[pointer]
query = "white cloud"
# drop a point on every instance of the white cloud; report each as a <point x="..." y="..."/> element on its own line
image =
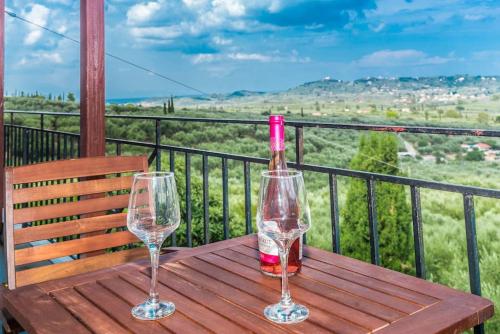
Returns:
<point x="38" y="14"/>
<point x="394" y="58"/>
<point x="143" y="12"/>
<point x="250" y="57"/>
<point x="169" y="32"/>
<point x="41" y="57"/>
<point x="204" y="58"/>
<point x="231" y="7"/>
<point x="221" y="41"/>
<point x="293" y="57"/>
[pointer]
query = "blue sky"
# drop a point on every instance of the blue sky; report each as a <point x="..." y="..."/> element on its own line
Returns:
<point x="227" y="45"/>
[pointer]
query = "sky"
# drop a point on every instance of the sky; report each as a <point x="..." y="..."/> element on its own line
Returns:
<point x="261" y="45"/>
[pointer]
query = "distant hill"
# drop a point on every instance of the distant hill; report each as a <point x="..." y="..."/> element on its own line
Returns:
<point x="244" y="93"/>
<point x="491" y="84"/>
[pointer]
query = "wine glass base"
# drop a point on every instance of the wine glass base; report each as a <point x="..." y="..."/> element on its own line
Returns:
<point x="151" y="311"/>
<point x="290" y="314"/>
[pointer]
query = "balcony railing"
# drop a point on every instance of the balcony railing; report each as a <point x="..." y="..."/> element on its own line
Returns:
<point x="24" y="145"/>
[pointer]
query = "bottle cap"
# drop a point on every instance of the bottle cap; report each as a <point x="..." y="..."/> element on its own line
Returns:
<point x="277" y="119"/>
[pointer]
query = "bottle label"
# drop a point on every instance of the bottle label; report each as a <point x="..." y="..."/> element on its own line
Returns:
<point x="268" y="250"/>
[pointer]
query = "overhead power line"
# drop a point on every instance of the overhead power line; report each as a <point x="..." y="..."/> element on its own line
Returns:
<point x="123" y="60"/>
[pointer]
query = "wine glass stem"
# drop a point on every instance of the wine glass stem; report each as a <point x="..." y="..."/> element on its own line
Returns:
<point x="285" y="291"/>
<point x="154" y="252"/>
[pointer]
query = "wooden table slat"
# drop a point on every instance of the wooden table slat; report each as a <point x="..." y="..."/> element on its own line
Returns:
<point x="301" y="295"/>
<point x="367" y="306"/>
<point x="178" y="322"/>
<point x="87" y="313"/>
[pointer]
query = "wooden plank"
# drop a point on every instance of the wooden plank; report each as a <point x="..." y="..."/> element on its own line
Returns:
<point x="8" y="231"/>
<point x="87" y="313"/>
<point x="92" y="85"/>
<point x="190" y="308"/>
<point x="70" y="209"/>
<point x="233" y="295"/>
<point x="24" y="195"/>
<point x="329" y="321"/>
<point x="299" y="294"/>
<point x="117" y="308"/>
<point x="372" y="283"/>
<point x="177" y="322"/>
<point x="71" y="227"/>
<point x="359" y="279"/>
<point x="76" y="168"/>
<point x="448" y="316"/>
<point x="76" y="267"/>
<point x="369" y="307"/>
<point x="60" y="249"/>
<point x="377" y="272"/>
<point x="45" y="315"/>
<point x="256" y="323"/>
<point x="362" y="291"/>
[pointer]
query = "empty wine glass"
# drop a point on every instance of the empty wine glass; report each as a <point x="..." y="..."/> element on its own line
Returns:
<point x="283" y="215"/>
<point x="153" y="214"/>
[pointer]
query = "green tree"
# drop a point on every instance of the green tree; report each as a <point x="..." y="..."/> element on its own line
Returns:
<point x="378" y="153"/>
<point x="71" y="97"/>
<point x="474" y="155"/>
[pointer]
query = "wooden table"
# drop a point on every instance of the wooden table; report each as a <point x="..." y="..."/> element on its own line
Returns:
<point x="218" y="288"/>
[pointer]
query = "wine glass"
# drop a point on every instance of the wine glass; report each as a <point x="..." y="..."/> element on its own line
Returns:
<point x="283" y="215"/>
<point x="153" y="214"/>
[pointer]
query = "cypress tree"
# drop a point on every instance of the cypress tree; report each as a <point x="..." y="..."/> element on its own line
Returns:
<point x="378" y="153"/>
<point x="165" y="108"/>
<point x="172" y="104"/>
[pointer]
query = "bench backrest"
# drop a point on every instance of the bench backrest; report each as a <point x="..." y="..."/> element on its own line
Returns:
<point x="70" y="211"/>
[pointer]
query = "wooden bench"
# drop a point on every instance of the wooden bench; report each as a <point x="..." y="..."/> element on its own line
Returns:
<point x="77" y="205"/>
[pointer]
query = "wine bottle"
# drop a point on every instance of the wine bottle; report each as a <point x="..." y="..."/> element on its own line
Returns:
<point x="268" y="251"/>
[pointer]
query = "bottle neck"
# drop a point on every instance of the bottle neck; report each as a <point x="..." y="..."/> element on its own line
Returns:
<point x="277" y="146"/>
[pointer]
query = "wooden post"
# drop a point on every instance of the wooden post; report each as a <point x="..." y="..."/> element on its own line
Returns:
<point x="2" y="153"/>
<point x="92" y="101"/>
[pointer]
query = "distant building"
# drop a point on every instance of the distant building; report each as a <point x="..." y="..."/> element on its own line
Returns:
<point x="479" y="146"/>
<point x="491" y="155"/>
<point x="482" y="146"/>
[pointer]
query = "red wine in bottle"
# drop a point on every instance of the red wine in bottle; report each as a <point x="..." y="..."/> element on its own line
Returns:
<point x="269" y="257"/>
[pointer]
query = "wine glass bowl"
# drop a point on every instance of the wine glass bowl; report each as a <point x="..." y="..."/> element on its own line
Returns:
<point x="153" y="214"/>
<point x="283" y="215"/>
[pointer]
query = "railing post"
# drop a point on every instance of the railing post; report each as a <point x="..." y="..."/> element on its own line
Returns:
<point x="118" y="149"/>
<point x="248" y="198"/>
<point x="418" y="234"/>
<point x="225" y="198"/>
<point x="188" y="200"/>
<point x="157" y="145"/>
<point x="25" y="146"/>
<point x="472" y="252"/>
<point x="334" y="213"/>
<point x="206" y="217"/>
<point x="372" y="221"/>
<point x="299" y="146"/>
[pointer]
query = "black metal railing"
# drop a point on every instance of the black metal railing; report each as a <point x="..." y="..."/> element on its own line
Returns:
<point x="25" y="145"/>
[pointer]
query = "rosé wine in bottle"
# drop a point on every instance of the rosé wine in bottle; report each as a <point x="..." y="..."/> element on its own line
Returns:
<point x="268" y="251"/>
